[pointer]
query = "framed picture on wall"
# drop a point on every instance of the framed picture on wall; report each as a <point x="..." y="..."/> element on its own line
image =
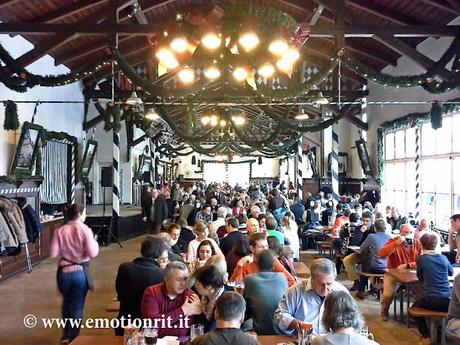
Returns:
<point x="343" y="164"/>
<point x="364" y="158"/>
<point x="27" y="149"/>
<point x="88" y="157"/>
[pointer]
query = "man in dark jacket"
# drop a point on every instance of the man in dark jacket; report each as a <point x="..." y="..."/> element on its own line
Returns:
<point x="134" y="277"/>
<point x="154" y="211"/>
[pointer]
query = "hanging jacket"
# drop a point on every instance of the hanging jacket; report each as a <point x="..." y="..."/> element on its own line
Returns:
<point x="33" y="225"/>
<point x="10" y="239"/>
<point x="14" y="218"/>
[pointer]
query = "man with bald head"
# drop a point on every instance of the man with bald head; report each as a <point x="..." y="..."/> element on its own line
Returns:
<point x="252" y="226"/>
<point x="400" y="252"/>
<point x="423" y="229"/>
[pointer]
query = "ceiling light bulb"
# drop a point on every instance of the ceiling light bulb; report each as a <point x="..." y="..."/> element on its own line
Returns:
<point x="266" y="70"/>
<point x="152" y="115"/>
<point x="223" y="123"/>
<point x="212" y="73"/>
<point x="213" y="120"/>
<point x="240" y="74"/>
<point x="187" y="75"/>
<point x="284" y="66"/>
<point x="238" y="120"/>
<point x="164" y="54"/>
<point x="291" y="55"/>
<point x="179" y="44"/>
<point x="205" y="120"/>
<point x="278" y="47"/>
<point x="211" y="41"/>
<point x="249" y="41"/>
<point x="170" y="63"/>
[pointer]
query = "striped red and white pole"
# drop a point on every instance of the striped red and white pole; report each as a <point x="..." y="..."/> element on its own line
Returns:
<point x="335" y="166"/>
<point x="417" y="174"/>
<point x="299" y="177"/>
<point x="116" y="179"/>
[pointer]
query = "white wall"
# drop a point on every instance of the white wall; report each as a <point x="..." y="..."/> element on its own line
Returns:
<point x="54" y="117"/>
<point x="433" y="48"/>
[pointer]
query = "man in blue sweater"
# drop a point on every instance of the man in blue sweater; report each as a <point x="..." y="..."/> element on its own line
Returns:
<point x="372" y="262"/>
<point x="261" y="306"/>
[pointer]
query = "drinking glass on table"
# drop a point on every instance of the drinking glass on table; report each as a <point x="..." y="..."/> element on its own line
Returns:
<point x="150" y="336"/>
<point x="196" y="330"/>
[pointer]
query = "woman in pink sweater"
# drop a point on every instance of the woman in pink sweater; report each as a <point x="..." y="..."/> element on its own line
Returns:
<point x="75" y="245"/>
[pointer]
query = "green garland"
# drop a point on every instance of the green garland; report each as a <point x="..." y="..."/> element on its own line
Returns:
<point x="112" y="117"/>
<point x="11" y="122"/>
<point x="410" y="120"/>
<point x="21" y="80"/>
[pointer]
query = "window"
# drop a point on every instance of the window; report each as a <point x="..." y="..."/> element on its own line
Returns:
<point x="439" y="164"/>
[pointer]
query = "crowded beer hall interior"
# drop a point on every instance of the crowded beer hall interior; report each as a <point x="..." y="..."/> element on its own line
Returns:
<point x="229" y="172"/>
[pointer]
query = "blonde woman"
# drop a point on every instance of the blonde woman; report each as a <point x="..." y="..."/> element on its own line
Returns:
<point x="201" y="232"/>
<point x="290" y="228"/>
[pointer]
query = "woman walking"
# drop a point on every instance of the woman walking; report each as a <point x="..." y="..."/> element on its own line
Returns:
<point x="75" y="245"/>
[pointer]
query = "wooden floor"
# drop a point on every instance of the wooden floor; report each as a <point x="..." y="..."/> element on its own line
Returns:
<point x="37" y="294"/>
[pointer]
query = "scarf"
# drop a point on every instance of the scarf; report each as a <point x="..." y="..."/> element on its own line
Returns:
<point x="208" y="304"/>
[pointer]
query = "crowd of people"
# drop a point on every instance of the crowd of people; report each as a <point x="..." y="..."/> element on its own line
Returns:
<point x="206" y="242"/>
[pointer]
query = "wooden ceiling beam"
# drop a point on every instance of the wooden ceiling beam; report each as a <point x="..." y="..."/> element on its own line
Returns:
<point x="5" y="3"/>
<point x="443" y="7"/>
<point x="357" y="30"/>
<point x="59" y="40"/>
<point x="455" y="5"/>
<point x="392" y="42"/>
<point x="384" y="13"/>
<point x="66" y="11"/>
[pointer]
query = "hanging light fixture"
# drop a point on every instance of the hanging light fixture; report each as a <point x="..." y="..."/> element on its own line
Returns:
<point x="193" y="160"/>
<point x="321" y="100"/>
<point x="133" y="99"/>
<point x="249" y="41"/>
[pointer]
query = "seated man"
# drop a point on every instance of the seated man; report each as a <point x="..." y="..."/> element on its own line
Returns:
<point x="272" y="225"/>
<point x="454" y="239"/>
<point x="229" y="314"/>
<point x="134" y="277"/>
<point x="205" y="215"/>
<point x="261" y="306"/>
<point x="453" y="314"/>
<point x="171" y="303"/>
<point x="252" y="226"/>
<point x="396" y="220"/>
<point x="178" y="245"/>
<point x="351" y="261"/>
<point x="249" y="265"/>
<point x="402" y="252"/>
<point x="303" y="303"/>
<point x="233" y="234"/>
<point x="372" y="262"/>
<point x="342" y="220"/>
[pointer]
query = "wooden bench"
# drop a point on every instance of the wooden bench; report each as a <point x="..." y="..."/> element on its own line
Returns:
<point x="436" y="318"/>
<point x="113" y="307"/>
<point x="324" y="246"/>
<point x="378" y="281"/>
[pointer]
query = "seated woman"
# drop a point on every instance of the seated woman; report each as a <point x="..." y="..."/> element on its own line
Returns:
<point x="201" y="231"/>
<point x="342" y="319"/>
<point x="290" y="230"/>
<point x="433" y="270"/>
<point x="282" y="253"/>
<point x="240" y="250"/>
<point x="209" y="284"/>
<point x="205" y="251"/>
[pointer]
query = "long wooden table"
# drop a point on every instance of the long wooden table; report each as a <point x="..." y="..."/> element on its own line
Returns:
<point x="114" y="340"/>
<point x="408" y="277"/>
<point x="301" y="269"/>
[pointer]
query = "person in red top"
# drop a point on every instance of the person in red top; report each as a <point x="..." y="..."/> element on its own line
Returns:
<point x="171" y="305"/>
<point x="248" y="264"/>
<point x="341" y="221"/>
<point x="402" y="252"/>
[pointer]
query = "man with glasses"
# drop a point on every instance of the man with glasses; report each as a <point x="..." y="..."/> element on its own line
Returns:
<point x="134" y="277"/>
<point x="170" y="304"/>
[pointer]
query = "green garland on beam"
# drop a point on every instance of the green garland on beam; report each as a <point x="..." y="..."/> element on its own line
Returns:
<point x="11" y="122"/>
<point x="22" y="80"/>
<point x="410" y="120"/>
